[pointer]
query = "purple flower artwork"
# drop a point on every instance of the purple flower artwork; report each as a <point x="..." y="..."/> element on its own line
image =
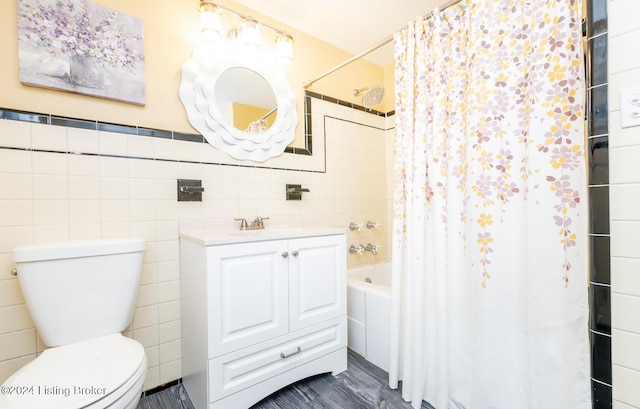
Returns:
<point x="81" y="47"/>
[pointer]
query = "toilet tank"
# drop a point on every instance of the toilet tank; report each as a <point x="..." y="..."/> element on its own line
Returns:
<point x="80" y="290"/>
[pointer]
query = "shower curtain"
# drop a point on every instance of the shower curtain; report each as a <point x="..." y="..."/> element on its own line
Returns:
<point x="489" y="287"/>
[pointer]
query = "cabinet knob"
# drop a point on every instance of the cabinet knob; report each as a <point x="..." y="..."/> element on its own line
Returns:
<point x="295" y="253"/>
<point x="285" y="254"/>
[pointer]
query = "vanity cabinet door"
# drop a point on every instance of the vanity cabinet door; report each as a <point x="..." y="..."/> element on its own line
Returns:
<point x="317" y="280"/>
<point x="248" y="294"/>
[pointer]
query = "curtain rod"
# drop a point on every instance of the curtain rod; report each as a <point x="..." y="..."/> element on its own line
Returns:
<point x="374" y="47"/>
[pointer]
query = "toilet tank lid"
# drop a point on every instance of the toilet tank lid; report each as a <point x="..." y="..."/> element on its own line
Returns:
<point x="73" y="249"/>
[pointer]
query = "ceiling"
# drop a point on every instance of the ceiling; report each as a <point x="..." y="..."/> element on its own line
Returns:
<point x="352" y="25"/>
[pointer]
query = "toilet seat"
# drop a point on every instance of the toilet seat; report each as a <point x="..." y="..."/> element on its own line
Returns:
<point x="93" y="373"/>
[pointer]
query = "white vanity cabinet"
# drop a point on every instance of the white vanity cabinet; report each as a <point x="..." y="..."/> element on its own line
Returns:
<point x="260" y="312"/>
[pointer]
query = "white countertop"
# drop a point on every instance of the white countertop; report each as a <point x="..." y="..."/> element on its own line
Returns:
<point x="212" y="237"/>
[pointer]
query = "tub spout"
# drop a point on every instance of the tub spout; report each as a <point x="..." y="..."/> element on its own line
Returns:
<point x="374" y="249"/>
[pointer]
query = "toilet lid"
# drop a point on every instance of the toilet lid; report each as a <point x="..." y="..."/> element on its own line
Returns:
<point x="75" y="375"/>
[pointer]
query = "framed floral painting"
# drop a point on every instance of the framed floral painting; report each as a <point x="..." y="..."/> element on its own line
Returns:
<point x="81" y="47"/>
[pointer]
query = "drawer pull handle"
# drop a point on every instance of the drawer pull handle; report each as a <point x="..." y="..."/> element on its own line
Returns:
<point x="295" y="253"/>
<point x="285" y="254"/>
<point x="283" y="355"/>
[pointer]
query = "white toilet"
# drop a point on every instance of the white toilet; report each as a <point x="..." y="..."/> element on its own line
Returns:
<point x="81" y="295"/>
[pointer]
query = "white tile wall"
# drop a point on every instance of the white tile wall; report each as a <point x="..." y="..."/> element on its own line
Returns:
<point x="48" y="197"/>
<point x="620" y="405"/>
<point x="624" y="148"/>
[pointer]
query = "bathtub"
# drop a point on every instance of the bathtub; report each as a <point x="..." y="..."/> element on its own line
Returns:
<point x="368" y="305"/>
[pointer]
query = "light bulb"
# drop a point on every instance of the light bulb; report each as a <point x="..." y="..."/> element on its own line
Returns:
<point x="249" y="30"/>
<point x="210" y="22"/>
<point x="284" y="48"/>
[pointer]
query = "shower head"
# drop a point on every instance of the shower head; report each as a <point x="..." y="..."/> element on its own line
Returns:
<point x="372" y="97"/>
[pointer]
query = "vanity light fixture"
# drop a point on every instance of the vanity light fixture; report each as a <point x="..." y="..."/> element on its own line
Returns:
<point x="248" y="30"/>
<point x="210" y="21"/>
<point x="284" y="48"/>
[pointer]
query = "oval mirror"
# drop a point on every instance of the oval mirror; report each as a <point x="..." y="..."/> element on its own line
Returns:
<point x="220" y="74"/>
<point x="245" y="99"/>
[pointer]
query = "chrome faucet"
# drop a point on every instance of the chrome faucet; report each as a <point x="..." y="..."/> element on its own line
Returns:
<point x="256" y="224"/>
<point x="373" y="249"/>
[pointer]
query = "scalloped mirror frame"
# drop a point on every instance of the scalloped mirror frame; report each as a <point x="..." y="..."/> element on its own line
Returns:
<point x="197" y="93"/>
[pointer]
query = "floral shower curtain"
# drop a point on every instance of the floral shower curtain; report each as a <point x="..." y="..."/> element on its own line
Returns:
<point x="489" y="291"/>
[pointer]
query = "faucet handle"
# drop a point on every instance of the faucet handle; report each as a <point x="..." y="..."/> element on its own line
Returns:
<point x="356" y="250"/>
<point x="260" y="219"/>
<point x="243" y="223"/>
<point x="258" y="222"/>
<point x="355" y="226"/>
<point x="373" y="225"/>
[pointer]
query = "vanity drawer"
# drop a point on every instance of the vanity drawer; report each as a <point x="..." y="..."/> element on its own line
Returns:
<point x="240" y="369"/>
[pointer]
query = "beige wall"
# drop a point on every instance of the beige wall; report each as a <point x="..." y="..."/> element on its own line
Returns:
<point x="389" y="86"/>
<point x="624" y="168"/>
<point x="49" y="195"/>
<point x="171" y="33"/>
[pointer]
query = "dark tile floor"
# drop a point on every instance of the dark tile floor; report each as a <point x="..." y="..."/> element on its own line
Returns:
<point x="174" y="397"/>
<point x="362" y="386"/>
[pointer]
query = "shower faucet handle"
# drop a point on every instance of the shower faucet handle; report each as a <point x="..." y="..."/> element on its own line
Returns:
<point x="356" y="250"/>
<point x="355" y="226"/>
<point x="373" y="225"/>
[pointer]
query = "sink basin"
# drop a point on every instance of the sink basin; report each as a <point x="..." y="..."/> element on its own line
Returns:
<point x="261" y="232"/>
<point x="266" y="232"/>
<point x="214" y="236"/>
